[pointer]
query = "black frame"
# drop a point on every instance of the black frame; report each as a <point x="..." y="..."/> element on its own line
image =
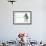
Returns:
<point x="22" y="23"/>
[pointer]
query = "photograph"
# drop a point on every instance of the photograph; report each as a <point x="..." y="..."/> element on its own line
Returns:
<point x="22" y="17"/>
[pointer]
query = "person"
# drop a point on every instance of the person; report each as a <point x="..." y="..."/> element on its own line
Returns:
<point x="26" y="17"/>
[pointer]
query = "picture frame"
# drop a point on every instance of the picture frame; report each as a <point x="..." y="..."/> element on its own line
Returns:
<point x="22" y="17"/>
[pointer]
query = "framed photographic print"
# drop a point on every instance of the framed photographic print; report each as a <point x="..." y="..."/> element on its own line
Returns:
<point x="22" y="17"/>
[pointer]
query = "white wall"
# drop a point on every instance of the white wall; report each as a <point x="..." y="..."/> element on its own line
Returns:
<point x="9" y="31"/>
